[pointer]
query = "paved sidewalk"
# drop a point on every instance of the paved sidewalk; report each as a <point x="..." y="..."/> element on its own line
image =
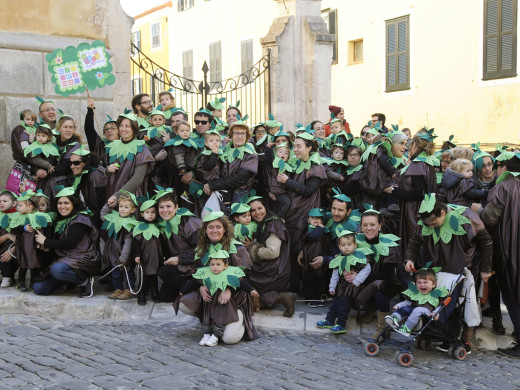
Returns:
<point x="66" y="305"/>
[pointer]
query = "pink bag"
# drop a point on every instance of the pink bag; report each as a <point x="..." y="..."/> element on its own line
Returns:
<point x="20" y="179"/>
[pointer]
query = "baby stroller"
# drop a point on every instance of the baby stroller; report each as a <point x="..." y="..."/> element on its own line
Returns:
<point x="430" y="330"/>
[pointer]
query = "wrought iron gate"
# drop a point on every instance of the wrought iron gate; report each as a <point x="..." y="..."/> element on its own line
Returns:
<point x="251" y="88"/>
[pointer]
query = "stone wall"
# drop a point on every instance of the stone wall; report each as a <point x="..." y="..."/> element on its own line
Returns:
<point x="28" y="31"/>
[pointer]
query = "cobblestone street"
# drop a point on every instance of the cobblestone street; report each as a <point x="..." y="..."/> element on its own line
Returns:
<point x="88" y="354"/>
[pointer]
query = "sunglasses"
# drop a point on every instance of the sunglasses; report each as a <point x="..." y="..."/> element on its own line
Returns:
<point x="201" y="122"/>
<point x="75" y="163"/>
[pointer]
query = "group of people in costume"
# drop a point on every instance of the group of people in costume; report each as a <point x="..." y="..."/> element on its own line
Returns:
<point x="227" y="218"/>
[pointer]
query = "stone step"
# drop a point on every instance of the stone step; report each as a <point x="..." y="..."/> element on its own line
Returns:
<point x="67" y="305"/>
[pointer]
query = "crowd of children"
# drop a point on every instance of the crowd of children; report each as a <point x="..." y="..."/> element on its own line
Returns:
<point x="220" y="166"/>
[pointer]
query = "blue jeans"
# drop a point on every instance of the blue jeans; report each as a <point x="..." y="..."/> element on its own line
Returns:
<point x="339" y="309"/>
<point x="60" y="274"/>
<point x="119" y="278"/>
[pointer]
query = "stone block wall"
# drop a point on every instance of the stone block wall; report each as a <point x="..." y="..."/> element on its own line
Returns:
<point x="25" y="39"/>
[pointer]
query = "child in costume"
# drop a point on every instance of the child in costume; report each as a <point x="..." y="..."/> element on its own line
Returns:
<point x="182" y="152"/>
<point x="315" y="281"/>
<point x="167" y="105"/>
<point x="146" y="250"/>
<point x="217" y="277"/>
<point x="422" y="299"/>
<point x="350" y="270"/>
<point x="350" y="186"/>
<point x="24" y="223"/>
<point x="7" y="267"/>
<point x="457" y="185"/>
<point x="336" y="165"/>
<point x="43" y="204"/>
<point x="244" y="227"/>
<point x="206" y="168"/>
<point x="276" y="162"/>
<point x="155" y="136"/>
<point x="118" y="226"/>
<point x="43" y="152"/>
<point x="215" y="107"/>
<point x="28" y="121"/>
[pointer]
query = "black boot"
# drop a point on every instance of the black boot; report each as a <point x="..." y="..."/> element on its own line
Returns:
<point x="497" y="326"/>
<point x="154" y="288"/>
<point x="141" y="297"/>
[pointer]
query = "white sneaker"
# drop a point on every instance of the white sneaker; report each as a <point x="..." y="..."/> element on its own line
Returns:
<point x="212" y="341"/>
<point x="204" y="339"/>
<point x="7" y="282"/>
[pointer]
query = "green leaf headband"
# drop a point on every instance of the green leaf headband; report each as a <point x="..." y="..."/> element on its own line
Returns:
<point x="340" y="196"/>
<point x="236" y="105"/>
<point x="282" y="145"/>
<point x="177" y="110"/>
<point x="305" y="135"/>
<point x="478" y="157"/>
<point x="239" y="208"/>
<point x="358" y="142"/>
<point x="217" y="103"/>
<point x="370" y="209"/>
<point x="212" y="131"/>
<point x="40" y="194"/>
<point x="428" y="204"/>
<point x="427" y="134"/>
<point x="271" y="122"/>
<point x="299" y="128"/>
<point x="427" y="267"/>
<point x="41" y="100"/>
<point x="239" y="122"/>
<point x="341" y="233"/>
<point x="212" y="215"/>
<point x="130" y="116"/>
<point x="204" y="111"/>
<point x="81" y="151"/>
<point x="281" y="133"/>
<point x="506" y="155"/>
<point x="253" y="196"/>
<point x="26" y="195"/>
<point x="317" y="213"/>
<point x="157" y="112"/>
<point x="67" y="191"/>
<point x="161" y="191"/>
<point x="132" y="196"/>
<point x="45" y="126"/>
<point x="148" y="204"/>
<point x="109" y="119"/>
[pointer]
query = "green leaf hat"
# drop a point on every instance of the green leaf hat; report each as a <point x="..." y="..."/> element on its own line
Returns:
<point x="428" y="204"/>
<point x="67" y="191"/>
<point x="212" y="215"/>
<point x="217" y="103"/>
<point x="317" y="213"/>
<point x="271" y="122"/>
<point x="340" y="196"/>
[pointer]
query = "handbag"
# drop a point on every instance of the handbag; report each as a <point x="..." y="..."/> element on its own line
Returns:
<point x="20" y="179"/>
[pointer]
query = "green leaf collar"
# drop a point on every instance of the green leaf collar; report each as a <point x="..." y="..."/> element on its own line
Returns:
<point x="172" y="226"/>
<point x="114" y="223"/>
<point x="245" y="231"/>
<point x="229" y="277"/>
<point x="148" y="230"/>
<point x="431" y="298"/>
<point x="423" y="157"/>
<point x="63" y="223"/>
<point x="299" y="165"/>
<point x="37" y="220"/>
<point x="344" y="262"/>
<point x="119" y="151"/>
<point x="36" y="149"/>
<point x="381" y="248"/>
<point x="230" y="153"/>
<point x="178" y="141"/>
<point x="453" y="225"/>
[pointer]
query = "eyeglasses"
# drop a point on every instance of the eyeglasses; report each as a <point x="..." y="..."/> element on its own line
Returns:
<point x="353" y="155"/>
<point x="201" y="122"/>
<point x="488" y="165"/>
<point x="75" y="163"/>
<point x="49" y="110"/>
<point x="108" y="128"/>
<point x="240" y="134"/>
<point x="364" y="133"/>
<point x="147" y="102"/>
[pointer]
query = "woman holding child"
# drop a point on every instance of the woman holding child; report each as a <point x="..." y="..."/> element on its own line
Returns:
<point x="74" y="247"/>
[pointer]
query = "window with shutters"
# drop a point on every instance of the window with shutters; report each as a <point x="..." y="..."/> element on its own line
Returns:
<point x="215" y="62"/>
<point x="331" y="20"/>
<point x="398" y="54"/>
<point x="184" y="5"/>
<point x="136" y="39"/>
<point x="187" y="68"/>
<point x="137" y="85"/>
<point x="246" y="51"/>
<point x="500" y="26"/>
<point x="156" y="34"/>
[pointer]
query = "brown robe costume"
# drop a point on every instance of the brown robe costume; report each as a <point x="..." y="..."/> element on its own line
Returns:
<point x="85" y="258"/>
<point x="18" y="135"/>
<point x="204" y="176"/>
<point x="270" y="277"/>
<point x="296" y="219"/>
<point x="374" y="179"/>
<point x="151" y="253"/>
<point x="410" y="209"/>
<point x="116" y="180"/>
<point x="505" y="197"/>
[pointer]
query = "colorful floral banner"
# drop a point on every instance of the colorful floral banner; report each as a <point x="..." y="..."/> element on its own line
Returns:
<point x="75" y="68"/>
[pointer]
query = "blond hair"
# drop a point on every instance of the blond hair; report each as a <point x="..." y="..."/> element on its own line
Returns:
<point x="461" y="152"/>
<point x="459" y="164"/>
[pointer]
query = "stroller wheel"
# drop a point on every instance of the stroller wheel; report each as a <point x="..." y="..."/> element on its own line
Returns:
<point x="371" y="349"/>
<point x="404" y="359"/>
<point x="424" y="344"/>
<point x="459" y="353"/>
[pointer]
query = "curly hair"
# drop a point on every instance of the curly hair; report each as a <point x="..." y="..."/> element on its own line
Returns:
<point x="205" y="242"/>
<point x="77" y="206"/>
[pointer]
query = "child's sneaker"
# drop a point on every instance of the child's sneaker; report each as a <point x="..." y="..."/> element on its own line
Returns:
<point x="467" y="347"/>
<point x="392" y="321"/>
<point x="212" y="341"/>
<point x="324" y="324"/>
<point x="337" y="329"/>
<point x="403" y="329"/>
<point x="20" y="286"/>
<point x="204" y="339"/>
<point x="7" y="282"/>
<point x="126" y="295"/>
<point x="115" y="294"/>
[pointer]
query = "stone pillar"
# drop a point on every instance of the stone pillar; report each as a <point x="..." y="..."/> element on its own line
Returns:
<point x="301" y="57"/>
<point x="24" y="42"/>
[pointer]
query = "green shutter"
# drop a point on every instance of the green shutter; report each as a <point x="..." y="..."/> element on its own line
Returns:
<point x="397" y="54"/>
<point x="333" y="29"/>
<point x="500" y="26"/>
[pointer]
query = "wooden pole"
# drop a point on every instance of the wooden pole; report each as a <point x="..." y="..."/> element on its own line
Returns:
<point x="100" y="130"/>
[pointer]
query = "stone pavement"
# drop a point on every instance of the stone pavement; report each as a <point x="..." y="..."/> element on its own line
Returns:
<point x="114" y="354"/>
